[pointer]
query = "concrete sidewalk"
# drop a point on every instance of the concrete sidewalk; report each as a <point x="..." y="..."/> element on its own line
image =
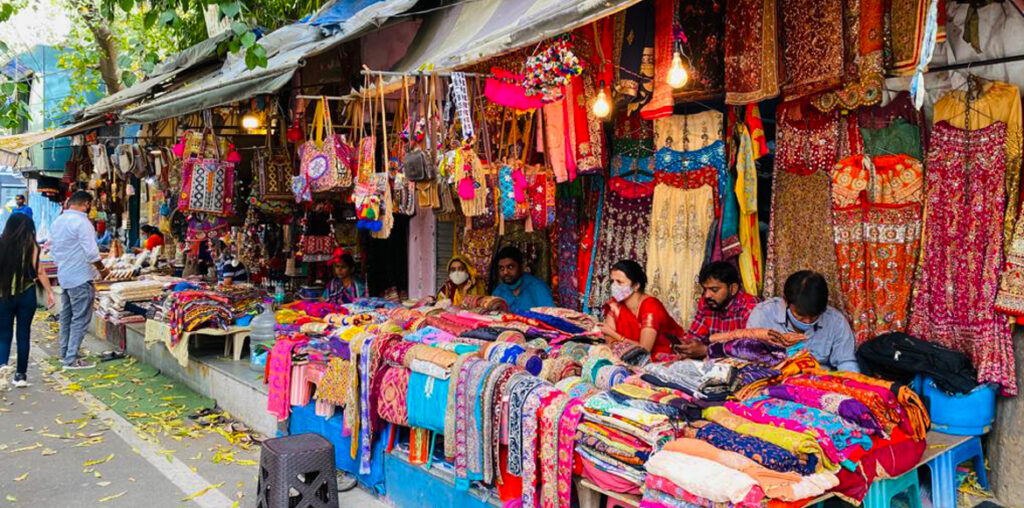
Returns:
<point x="59" y="446"/>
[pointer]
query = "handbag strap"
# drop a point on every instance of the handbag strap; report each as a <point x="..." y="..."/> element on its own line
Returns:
<point x="383" y="119"/>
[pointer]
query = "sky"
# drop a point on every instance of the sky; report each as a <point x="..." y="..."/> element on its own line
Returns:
<point x="40" y="22"/>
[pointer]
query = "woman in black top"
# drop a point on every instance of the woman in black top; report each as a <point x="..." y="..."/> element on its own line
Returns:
<point x="19" y="272"/>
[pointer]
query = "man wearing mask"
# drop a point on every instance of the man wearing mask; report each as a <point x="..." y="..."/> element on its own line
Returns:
<point x="521" y="291"/>
<point x="804" y="309"/>
<point x="723" y="307"/>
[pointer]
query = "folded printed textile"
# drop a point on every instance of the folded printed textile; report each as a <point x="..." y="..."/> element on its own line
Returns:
<point x="769" y="455"/>
<point x="553" y="321"/>
<point x="626" y="456"/>
<point x="844" y="406"/>
<point x="487" y="333"/>
<point x="785" y="340"/>
<point x="605" y="404"/>
<point x="443" y="322"/>
<point x="660" y="487"/>
<point x="192" y="309"/>
<point x="429" y="369"/>
<point x="829" y="427"/>
<point x="315" y="309"/>
<point x="484" y="303"/>
<point x="429" y="335"/>
<point x="437" y="356"/>
<point x="630" y="353"/>
<point x="581" y="320"/>
<point x="704" y="478"/>
<point x="630" y="478"/>
<point x="787" y="486"/>
<point x="688" y="376"/>
<point x="751" y="350"/>
<point x="654" y="437"/>
<point x="795" y="442"/>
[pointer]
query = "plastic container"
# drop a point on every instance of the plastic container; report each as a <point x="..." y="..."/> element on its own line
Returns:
<point x="970" y="414"/>
<point x="262" y="333"/>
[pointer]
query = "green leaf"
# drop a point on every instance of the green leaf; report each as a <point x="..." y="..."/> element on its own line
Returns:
<point x="234" y="46"/>
<point x="126" y="5"/>
<point x="124" y="61"/>
<point x="260" y="51"/>
<point x="251" y="60"/>
<point x="239" y="28"/>
<point x="150" y="19"/>
<point x="3" y="47"/>
<point x="248" y="39"/>
<point x="230" y="9"/>
<point x="8" y="87"/>
<point x="167" y="17"/>
<point x="128" y="78"/>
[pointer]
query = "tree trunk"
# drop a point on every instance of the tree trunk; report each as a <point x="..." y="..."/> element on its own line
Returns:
<point x="105" y="42"/>
<point x="108" y="55"/>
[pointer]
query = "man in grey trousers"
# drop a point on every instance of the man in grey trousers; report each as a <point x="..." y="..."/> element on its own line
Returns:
<point x="74" y="249"/>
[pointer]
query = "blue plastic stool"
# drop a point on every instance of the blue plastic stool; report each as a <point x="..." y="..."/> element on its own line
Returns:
<point x="943" y="468"/>
<point x="882" y="491"/>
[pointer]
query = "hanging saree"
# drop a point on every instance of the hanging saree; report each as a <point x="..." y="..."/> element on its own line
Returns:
<point x="907" y="25"/>
<point x="863" y="72"/>
<point x="880" y="117"/>
<point x="800" y="233"/>
<point x="704" y="26"/>
<point x="675" y="248"/>
<point x="688" y="132"/>
<point x="750" y="260"/>
<point x="567" y="246"/>
<point x="664" y="39"/>
<point x="621" y="234"/>
<point x="877" y="214"/>
<point x="813" y="52"/>
<point x="1000" y="102"/>
<point x="751" y="51"/>
<point x="958" y="277"/>
<point x="634" y="50"/>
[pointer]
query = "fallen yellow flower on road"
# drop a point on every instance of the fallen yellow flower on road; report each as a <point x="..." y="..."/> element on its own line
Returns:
<point x="98" y="461"/>
<point x="115" y="496"/>
<point x="22" y="477"/>
<point x="26" y="448"/>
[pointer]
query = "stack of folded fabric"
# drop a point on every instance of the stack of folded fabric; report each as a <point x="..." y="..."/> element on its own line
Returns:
<point x="135" y="291"/>
<point x="756" y="345"/>
<point x="190" y="310"/>
<point x="617" y="435"/>
<point x="705" y="384"/>
<point x="244" y="300"/>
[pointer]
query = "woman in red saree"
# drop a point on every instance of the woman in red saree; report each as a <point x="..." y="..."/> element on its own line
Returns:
<point x="634" y="316"/>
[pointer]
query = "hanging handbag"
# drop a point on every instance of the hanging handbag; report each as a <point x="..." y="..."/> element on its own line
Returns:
<point x="207" y="183"/>
<point x="273" y="168"/>
<point x="321" y="165"/>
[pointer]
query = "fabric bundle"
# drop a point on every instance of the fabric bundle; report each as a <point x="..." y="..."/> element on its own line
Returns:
<point x="751" y="350"/>
<point x="190" y="310"/>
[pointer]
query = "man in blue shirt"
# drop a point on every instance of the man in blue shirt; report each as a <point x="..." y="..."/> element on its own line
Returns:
<point x="521" y="290"/>
<point x="21" y="207"/>
<point x="74" y="250"/>
<point x="805" y="309"/>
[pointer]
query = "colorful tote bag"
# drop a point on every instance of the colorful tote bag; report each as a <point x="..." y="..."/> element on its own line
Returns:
<point x="512" y="183"/>
<point x="273" y="168"/>
<point x="322" y="166"/>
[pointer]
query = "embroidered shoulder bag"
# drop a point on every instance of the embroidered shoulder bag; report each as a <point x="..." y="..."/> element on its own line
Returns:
<point x="207" y="183"/>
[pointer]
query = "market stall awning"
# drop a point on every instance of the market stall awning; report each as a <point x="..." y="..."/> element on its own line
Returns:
<point x="287" y="48"/>
<point x="469" y="32"/>
<point x="17" y="143"/>
<point x="201" y="53"/>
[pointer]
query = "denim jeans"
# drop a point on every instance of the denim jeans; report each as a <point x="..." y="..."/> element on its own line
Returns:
<point x="20" y="308"/>
<point x="75" y="314"/>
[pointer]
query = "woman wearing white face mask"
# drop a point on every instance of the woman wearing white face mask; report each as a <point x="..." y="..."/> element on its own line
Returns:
<point x="634" y="316"/>
<point x="461" y="281"/>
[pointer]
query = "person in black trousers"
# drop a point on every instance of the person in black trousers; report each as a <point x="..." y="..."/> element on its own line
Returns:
<point x="19" y="273"/>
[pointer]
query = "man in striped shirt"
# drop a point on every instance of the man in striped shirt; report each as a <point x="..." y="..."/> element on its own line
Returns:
<point x="723" y="307"/>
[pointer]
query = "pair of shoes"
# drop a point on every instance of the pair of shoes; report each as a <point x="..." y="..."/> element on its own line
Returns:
<point x="111" y="355"/>
<point x="21" y="381"/>
<point x="5" y="377"/>
<point x="79" y="364"/>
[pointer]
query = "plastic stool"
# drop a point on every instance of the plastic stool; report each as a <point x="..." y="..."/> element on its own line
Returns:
<point x="943" y="468"/>
<point x="882" y="491"/>
<point x="303" y="463"/>
<point x="234" y="344"/>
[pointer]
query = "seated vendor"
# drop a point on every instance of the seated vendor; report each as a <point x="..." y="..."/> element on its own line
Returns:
<point x="723" y="307"/>
<point x="153" y="238"/>
<point x="461" y="281"/>
<point x="229" y="268"/>
<point x="637" y="317"/>
<point x="521" y="291"/>
<point x="345" y="287"/>
<point x="805" y="309"/>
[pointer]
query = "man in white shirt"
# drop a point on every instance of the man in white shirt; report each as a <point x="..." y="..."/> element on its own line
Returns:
<point x="74" y="249"/>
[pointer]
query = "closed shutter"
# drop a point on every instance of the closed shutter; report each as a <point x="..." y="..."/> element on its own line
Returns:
<point x="444" y="247"/>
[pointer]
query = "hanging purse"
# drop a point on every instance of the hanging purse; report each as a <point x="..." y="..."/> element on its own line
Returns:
<point x="273" y="168"/>
<point x="207" y="183"/>
<point x="321" y="165"/>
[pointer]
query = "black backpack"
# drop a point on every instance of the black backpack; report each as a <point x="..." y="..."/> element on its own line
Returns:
<point x="898" y="357"/>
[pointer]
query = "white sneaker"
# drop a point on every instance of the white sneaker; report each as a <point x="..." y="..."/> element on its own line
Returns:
<point x="21" y="381"/>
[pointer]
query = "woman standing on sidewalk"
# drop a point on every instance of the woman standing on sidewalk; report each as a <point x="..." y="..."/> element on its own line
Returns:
<point x="19" y="271"/>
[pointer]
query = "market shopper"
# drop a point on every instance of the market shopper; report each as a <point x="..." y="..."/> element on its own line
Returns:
<point x="462" y="281"/>
<point x="154" y="238"/>
<point x="229" y="269"/>
<point x="74" y="249"/>
<point x="21" y="207"/>
<point x="346" y="286"/>
<point x="804" y="309"/>
<point x="636" y="316"/>
<point x="723" y="307"/>
<point x="522" y="291"/>
<point x="19" y="272"/>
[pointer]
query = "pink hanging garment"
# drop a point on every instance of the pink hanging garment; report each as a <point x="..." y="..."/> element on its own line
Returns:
<point x="279" y="377"/>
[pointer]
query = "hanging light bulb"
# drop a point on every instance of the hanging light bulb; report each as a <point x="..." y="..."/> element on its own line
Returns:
<point x="601" y="105"/>
<point x="250" y="121"/>
<point x="677" y="74"/>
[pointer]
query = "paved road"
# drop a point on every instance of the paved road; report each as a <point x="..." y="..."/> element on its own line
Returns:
<point x="60" y="447"/>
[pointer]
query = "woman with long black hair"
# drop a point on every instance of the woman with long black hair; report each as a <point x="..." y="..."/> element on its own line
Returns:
<point x="19" y="272"/>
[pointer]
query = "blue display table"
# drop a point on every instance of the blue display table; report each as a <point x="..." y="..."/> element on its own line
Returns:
<point x="304" y="419"/>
